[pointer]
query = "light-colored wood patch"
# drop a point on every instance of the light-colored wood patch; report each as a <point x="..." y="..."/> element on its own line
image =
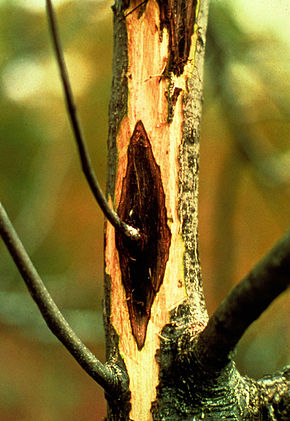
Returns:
<point x="147" y="101"/>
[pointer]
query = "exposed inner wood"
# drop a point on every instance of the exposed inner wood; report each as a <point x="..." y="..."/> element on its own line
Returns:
<point x="179" y="19"/>
<point x="142" y="206"/>
<point x="149" y="91"/>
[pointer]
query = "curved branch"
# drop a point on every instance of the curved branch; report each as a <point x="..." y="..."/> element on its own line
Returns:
<point x="102" y="374"/>
<point x="244" y="304"/>
<point x="87" y="168"/>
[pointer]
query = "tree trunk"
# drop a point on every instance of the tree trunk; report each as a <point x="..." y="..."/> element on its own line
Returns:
<point x="166" y="361"/>
<point x="153" y="182"/>
<point x="154" y="303"/>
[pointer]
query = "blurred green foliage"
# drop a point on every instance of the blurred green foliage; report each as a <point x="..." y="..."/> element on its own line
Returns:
<point x="244" y="197"/>
<point x="245" y="160"/>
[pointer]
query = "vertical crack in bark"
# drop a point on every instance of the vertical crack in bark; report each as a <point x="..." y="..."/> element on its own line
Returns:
<point x="142" y="204"/>
<point x="179" y="18"/>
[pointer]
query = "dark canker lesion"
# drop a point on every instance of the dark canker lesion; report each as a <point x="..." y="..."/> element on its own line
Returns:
<point x="142" y="205"/>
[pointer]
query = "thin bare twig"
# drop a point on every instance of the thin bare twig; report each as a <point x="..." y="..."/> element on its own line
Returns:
<point x="112" y="216"/>
<point x="244" y="304"/>
<point x="101" y="373"/>
<point x="133" y="10"/>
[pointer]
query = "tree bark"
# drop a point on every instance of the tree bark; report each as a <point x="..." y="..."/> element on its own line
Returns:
<point x="154" y="303"/>
<point x="156" y="100"/>
<point x="165" y="359"/>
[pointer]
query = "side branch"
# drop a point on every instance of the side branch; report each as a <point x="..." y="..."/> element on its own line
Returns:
<point x="112" y="216"/>
<point x="102" y="374"/>
<point x="244" y="304"/>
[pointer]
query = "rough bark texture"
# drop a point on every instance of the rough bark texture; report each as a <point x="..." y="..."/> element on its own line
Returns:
<point x="152" y="328"/>
<point x="194" y="395"/>
<point x="165" y="360"/>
